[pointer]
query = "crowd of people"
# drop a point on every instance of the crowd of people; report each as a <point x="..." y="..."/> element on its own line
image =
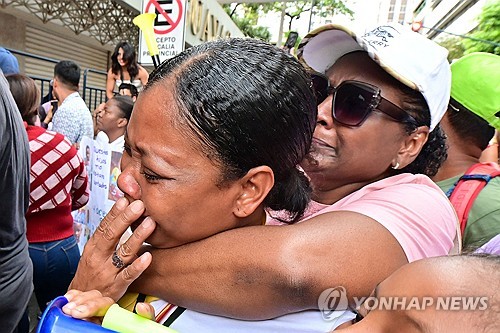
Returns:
<point x="58" y="185"/>
<point x="336" y="169"/>
<point x="58" y="179"/>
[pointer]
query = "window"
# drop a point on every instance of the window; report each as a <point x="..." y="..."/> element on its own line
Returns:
<point x="420" y="7"/>
<point x="435" y="3"/>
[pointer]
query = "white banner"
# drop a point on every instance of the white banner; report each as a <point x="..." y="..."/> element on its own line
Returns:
<point x="103" y="168"/>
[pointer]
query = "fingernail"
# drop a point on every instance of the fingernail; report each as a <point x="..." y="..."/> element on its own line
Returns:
<point x="121" y="203"/>
<point x="136" y="206"/>
<point x="147" y="223"/>
<point x="70" y="305"/>
<point x="145" y="256"/>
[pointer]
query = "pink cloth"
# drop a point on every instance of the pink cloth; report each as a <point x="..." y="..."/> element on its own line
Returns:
<point x="414" y="210"/>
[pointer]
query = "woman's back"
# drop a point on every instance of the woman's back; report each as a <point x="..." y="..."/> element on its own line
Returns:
<point x="58" y="185"/>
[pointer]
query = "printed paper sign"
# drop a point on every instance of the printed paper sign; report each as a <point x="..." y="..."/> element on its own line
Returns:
<point x="169" y="29"/>
<point x="103" y="169"/>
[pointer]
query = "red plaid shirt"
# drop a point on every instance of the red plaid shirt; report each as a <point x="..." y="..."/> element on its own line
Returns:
<point x="58" y="185"/>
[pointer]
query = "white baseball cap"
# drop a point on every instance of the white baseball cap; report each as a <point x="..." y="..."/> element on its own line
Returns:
<point x="408" y="56"/>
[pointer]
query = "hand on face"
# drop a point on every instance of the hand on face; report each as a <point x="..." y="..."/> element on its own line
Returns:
<point x="98" y="268"/>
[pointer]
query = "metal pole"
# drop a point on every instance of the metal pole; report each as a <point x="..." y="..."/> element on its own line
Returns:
<point x="282" y="20"/>
<point x="311" y="15"/>
<point x="85" y="83"/>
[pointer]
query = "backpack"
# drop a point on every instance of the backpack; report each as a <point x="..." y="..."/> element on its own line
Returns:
<point x="465" y="191"/>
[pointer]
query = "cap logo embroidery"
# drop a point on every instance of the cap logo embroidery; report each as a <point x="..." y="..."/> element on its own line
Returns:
<point x="380" y="37"/>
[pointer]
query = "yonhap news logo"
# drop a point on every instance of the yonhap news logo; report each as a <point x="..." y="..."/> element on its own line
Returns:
<point x="333" y="303"/>
<point x="446" y="303"/>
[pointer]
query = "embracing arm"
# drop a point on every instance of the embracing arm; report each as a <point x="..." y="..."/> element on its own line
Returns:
<point x="110" y="84"/>
<point x="265" y="271"/>
<point x="252" y="272"/>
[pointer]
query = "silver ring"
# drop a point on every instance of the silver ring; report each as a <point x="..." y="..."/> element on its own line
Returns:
<point x="117" y="261"/>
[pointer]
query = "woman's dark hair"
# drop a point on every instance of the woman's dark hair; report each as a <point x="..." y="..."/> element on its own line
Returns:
<point x="434" y="152"/>
<point x="249" y="104"/>
<point x="469" y="127"/>
<point x="125" y="104"/>
<point x="26" y="95"/>
<point x="130" y="87"/>
<point x="129" y="56"/>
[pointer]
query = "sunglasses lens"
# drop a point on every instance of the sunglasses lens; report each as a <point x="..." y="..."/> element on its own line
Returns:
<point x="320" y="86"/>
<point x="351" y="104"/>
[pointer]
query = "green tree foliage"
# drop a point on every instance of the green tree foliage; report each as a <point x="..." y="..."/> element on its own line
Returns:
<point x="247" y="22"/>
<point x="455" y="47"/>
<point x="487" y="30"/>
<point x="250" y="29"/>
<point x="245" y="15"/>
<point x="322" y="8"/>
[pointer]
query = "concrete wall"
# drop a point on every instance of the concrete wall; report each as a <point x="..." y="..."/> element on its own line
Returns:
<point x="13" y="34"/>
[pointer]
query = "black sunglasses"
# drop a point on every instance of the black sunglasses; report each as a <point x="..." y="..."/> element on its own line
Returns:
<point x="353" y="101"/>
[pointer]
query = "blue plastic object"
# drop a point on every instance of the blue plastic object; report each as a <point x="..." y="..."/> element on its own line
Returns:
<point x="55" y="321"/>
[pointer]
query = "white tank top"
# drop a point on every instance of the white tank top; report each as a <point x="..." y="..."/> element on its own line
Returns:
<point x="136" y="83"/>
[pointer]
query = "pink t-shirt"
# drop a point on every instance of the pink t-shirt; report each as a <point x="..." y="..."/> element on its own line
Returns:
<point x="414" y="210"/>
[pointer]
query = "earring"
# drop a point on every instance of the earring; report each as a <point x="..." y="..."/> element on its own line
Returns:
<point x="395" y="167"/>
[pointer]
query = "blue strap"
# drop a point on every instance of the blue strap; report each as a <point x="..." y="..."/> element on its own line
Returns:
<point x="486" y="178"/>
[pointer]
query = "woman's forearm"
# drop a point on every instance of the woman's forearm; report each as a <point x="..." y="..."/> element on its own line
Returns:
<point x="220" y="281"/>
<point x="248" y="273"/>
<point x="263" y="272"/>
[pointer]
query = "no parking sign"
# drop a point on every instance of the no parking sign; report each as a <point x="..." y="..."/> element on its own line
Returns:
<point x="168" y="28"/>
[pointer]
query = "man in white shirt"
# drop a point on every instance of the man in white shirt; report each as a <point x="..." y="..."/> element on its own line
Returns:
<point x="73" y="118"/>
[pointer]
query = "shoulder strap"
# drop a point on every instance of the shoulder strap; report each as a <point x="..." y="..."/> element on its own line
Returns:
<point x="465" y="191"/>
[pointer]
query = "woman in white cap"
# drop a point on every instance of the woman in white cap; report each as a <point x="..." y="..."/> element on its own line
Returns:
<point x="380" y="99"/>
